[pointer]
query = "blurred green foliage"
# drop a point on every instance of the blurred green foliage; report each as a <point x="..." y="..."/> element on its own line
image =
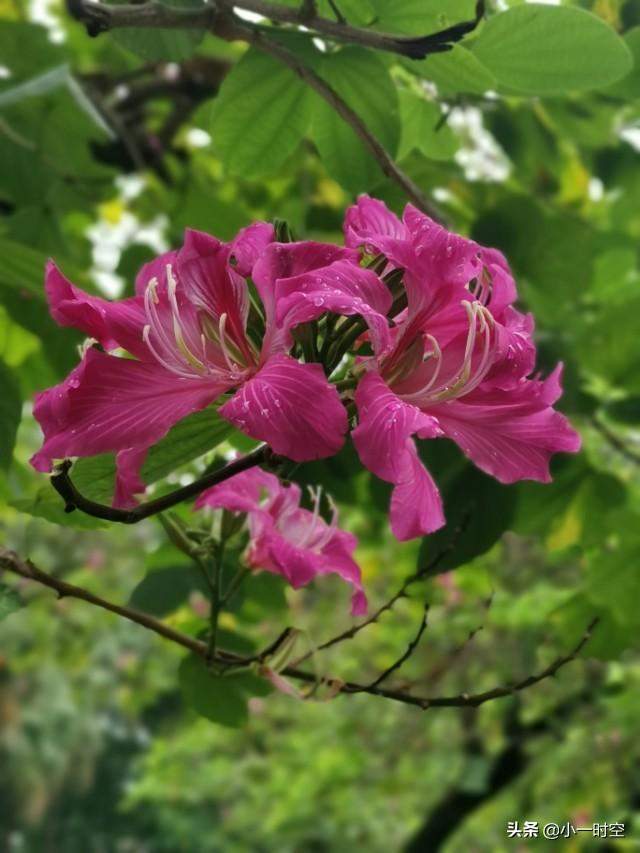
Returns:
<point x="527" y="135"/>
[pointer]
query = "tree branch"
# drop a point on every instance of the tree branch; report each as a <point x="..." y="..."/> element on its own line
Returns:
<point x="26" y="569"/>
<point x="418" y="575"/>
<point x="387" y="164"/>
<point x="413" y="645"/>
<point x="100" y="17"/>
<point x="62" y="483"/>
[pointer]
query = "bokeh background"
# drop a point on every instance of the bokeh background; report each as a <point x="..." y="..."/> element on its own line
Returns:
<point x="109" y="147"/>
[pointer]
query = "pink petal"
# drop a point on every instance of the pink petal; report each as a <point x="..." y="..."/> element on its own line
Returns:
<point x="207" y="280"/>
<point x="241" y="493"/>
<point x="286" y="260"/>
<point x="342" y="288"/>
<point x="384" y="444"/>
<point x="510" y="434"/>
<point x="112" y="324"/>
<point x="249" y="245"/>
<point x="368" y="220"/>
<point x="128" y="481"/>
<point x="416" y="506"/>
<point x="110" y="404"/>
<point x="292" y="407"/>
<point x="157" y="268"/>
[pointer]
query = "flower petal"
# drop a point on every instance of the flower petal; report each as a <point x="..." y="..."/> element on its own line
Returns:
<point x="157" y="268"/>
<point x="368" y="220"/>
<point x="384" y="444"/>
<point x="512" y="433"/>
<point x="208" y="281"/>
<point x="342" y="288"/>
<point x="112" y="324"/>
<point x="292" y="407"/>
<point x="240" y="493"/>
<point x="111" y="404"/>
<point x="285" y="260"/>
<point x="249" y="244"/>
<point x="416" y="506"/>
<point x="128" y="481"/>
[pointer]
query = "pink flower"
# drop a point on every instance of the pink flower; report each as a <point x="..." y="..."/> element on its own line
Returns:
<point x="459" y="366"/>
<point x="187" y="330"/>
<point x="285" y="538"/>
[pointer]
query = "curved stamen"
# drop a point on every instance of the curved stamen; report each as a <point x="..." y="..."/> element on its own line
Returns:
<point x="233" y="367"/>
<point x="173" y="368"/>
<point x="178" y="331"/>
<point x="467" y="377"/>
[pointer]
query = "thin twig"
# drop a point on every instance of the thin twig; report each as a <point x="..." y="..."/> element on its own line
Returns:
<point x="62" y="483"/>
<point x="413" y="645"/>
<point x="418" y="575"/>
<point x="26" y="569"/>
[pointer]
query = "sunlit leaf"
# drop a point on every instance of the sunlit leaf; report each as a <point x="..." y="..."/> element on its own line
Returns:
<point x="551" y="50"/>
<point x="10" y="411"/>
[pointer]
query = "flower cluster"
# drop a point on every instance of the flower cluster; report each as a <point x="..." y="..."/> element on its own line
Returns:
<point x="439" y="350"/>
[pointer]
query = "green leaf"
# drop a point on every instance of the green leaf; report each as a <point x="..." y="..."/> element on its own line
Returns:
<point x="10" y="412"/>
<point x="22" y="268"/>
<point x="478" y="510"/>
<point x="551" y="50"/>
<point x="220" y="698"/>
<point x="260" y="116"/>
<point x="629" y="86"/>
<point x="192" y="437"/>
<point x="46" y="503"/>
<point x="26" y="48"/>
<point x="363" y="80"/>
<point x="162" y="591"/>
<point x="423" y="129"/>
<point x="457" y="70"/>
<point x="421" y="17"/>
<point x="10" y="601"/>
<point x="16" y="343"/>
<point x="159" y="44"/>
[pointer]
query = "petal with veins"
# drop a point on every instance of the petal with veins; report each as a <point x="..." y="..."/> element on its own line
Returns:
<point x="292" y="407"/>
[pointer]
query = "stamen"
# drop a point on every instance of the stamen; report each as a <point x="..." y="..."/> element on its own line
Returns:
<point x="173" y="368"/>
<point x="223" y="344"/>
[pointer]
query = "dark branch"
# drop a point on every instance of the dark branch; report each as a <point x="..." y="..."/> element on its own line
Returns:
<point x="99" y="17"/>
<point x="418" y="575"/>
<point x="413" y="645"/>
<point x="62" y="483"/>
<point x="26" y="569"/>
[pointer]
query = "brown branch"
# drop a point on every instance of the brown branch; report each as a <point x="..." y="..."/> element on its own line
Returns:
<point x="100" y="17"/>
<point x="418" y="575"/>
<point x="62" y="483"/>
<point x="413" y="645"/>
<point x="10" y="561"/>
<point x="386" y="162"/>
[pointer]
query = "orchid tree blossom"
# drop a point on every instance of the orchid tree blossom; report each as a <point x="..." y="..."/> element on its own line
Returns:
<point x="285" y="538"/>
<point x="190" y="334"/>
<point x="459" y="366"/>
